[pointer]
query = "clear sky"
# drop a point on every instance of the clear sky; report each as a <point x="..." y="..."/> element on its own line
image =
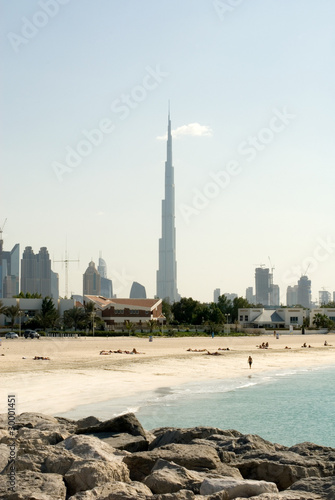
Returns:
<point x="85" y="86"/>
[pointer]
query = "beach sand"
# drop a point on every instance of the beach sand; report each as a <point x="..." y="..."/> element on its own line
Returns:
<point x="77" y="374"/>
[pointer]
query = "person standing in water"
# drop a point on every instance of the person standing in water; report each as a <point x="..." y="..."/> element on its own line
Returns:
<point x="250" y="361"/>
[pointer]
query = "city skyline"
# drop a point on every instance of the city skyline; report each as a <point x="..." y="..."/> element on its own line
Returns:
<point x="84" y="95"/>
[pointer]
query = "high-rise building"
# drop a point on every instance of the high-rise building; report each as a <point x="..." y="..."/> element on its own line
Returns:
<point x="36" y="273"/>
<point x="217" y="293"/>
<point x="230" y="296"/>
<point x="263" y="285"/>
<point x="275" y="295"/>
<point x="249" y="295"/>
<point x="9" y="271"/>
<point x="137" y="291"/>
<point x="292" y="295"/>
<point x="167" y="269"/>
<point x="91" y="280"/>
<point x="304" y="292"/>
<point x="106" y="284"/>
<point x="324" y="297"/>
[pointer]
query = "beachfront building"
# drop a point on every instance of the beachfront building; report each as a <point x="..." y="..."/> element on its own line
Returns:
<point x="118" y="311"/>
<point x="260" y="317"/>
<point x="91" y="280"/>
<point x="329" y="312"/>
<point x="30" y="307"/>
<point x="167" y="268"/>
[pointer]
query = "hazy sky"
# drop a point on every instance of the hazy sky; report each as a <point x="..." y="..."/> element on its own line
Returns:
<point x="85" y="87"/>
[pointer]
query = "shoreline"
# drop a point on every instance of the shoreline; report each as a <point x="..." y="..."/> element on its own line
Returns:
<point x="77" y="374"/>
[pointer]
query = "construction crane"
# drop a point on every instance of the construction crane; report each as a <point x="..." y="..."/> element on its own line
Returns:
<point x="271" y="266"/>
<point x="1" y="229"/>
<point x="66" y="261"/>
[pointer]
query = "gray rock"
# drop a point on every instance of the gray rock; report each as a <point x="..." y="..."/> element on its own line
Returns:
<point x="324" y="486"/>
<point x="4" y="456"/>
<point x="127" y="423"/>
<point x="182" y="495"/>
<point x="124" y="441"/>
<point x="88" y="474"/>
<point x="284" y="495"/>
<point x="83" y="423"/>
<point x="282" y="468"/>
<point x="37" y="437"/>
<point x="115" y="491"/>
<point x="170" y="435"/>
<point x="168" y="477"/>
<point x="237" y="487"/>
<point x="193" y="457"/>
<point x="34" y="486"/>
<point x="90" y="447"/>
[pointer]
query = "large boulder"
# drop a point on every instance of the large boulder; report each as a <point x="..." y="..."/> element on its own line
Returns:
<point x="4" y="456"/>
<point x="193" y="457"/>
<point x="236" y="487"/>
<point x="170" y="435"/>
<point x="88" y="474"/>
<point x="90" y="447"/>
<point x="124" y="441"/>
<point x="34" y="486"/>
<point x="43" y="422"/>
<point x="115" y="491"/>
<point x="168" y="477"/>
<point x="184" y="495"/>
<point x="127" y="423"/>
<point x="283" y="468"/>
<point x="37" y="437"/>
<point x="324" y="486"/>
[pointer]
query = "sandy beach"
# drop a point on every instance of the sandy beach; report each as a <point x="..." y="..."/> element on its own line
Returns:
<point x="77" y="373"/>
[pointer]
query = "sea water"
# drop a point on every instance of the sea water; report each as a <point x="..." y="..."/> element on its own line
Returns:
<point x="286" y="407"/>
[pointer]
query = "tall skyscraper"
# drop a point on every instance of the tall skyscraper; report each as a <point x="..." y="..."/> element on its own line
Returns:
<point x="167" y="270"/>
<point x="217" y="293"/>
<point x="106" y="284"/>
<point x="91" y="280"/>
<point x="263" y="286"/>
<point x="9" y="271"/>
<point x="304" y="292"/>
<point x="36" y="273"/>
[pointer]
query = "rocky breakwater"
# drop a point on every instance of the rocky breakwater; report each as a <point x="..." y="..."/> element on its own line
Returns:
<point x="61" y="459"/>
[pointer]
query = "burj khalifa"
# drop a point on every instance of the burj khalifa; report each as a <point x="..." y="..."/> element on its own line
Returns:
<point x="167" y="271"/>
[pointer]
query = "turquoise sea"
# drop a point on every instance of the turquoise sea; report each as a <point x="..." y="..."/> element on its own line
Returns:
<point x="285" y="407"/>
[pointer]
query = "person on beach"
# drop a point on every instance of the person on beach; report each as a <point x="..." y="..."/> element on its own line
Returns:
<point x="250" y="361"/>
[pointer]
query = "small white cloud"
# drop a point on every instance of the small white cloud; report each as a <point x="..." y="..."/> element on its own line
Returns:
<point x="193" y="129"/>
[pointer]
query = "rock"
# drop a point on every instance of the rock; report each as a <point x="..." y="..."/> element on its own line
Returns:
<point x="168" y="477"/>
<point x="37" y="437"/>
<point x="124" y="441"/>
<point x="90" y="447"/>
<point x="169" y="435"/>
<point x="88" y="474"/>
<point x="182" y="495"/>
<point x="83" y="423"/>
<point x="34" y="486"/>
<point x="325" y="454"/>
<point x="127" y="423"/>
<point x="193" y="457"/>
<point x="115" y="491"/>
<point x="282" y="468"/>
<point x="58" y="461"/>
<point x="325" y="486"/>
<point x="4" y="456"/>
<point x="237" y="487"/>
<point x="284" y="495"/>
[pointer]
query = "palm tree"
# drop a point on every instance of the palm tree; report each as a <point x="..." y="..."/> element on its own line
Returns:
<point x="2" y="308"/>
<point x="12" y="312"/>
<point x="74" y="317"/>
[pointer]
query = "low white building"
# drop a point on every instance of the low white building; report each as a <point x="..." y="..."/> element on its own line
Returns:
<point x="259" y="317"/>
<point x="329" y="312"/>
<point x="30" y="307"/>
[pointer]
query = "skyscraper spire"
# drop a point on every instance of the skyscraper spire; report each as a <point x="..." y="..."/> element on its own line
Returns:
<point x="167" y="271"/>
